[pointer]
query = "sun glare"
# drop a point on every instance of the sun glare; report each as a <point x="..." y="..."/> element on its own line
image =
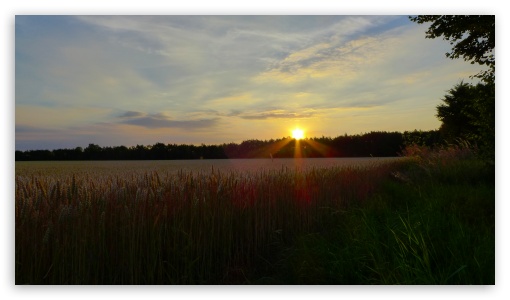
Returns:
<point x="298" y="133"/>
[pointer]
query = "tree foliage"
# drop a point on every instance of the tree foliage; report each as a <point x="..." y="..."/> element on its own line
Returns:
<point x="472" y="38"/>
<point x="457" y="112"/>
<point x="468" y="114"/>
<point x="468" y="111"/>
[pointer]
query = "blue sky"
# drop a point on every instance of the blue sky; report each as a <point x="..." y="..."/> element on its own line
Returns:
<point x="127" y="80"/>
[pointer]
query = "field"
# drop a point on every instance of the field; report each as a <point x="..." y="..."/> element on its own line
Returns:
<point x="426" y="219"/>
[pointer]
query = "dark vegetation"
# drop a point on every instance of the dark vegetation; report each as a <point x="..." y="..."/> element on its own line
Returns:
<point x="378" y="144"/>
<point x="425" y="220"/>
<point x="468" y="111"/>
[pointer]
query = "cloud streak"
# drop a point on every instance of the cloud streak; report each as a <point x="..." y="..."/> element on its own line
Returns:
<point x="275" y="114"/>
<point x="160" y="120"/>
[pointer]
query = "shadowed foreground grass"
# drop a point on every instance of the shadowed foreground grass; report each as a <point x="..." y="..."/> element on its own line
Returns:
<point x="419" y="221"/>
<point x="424" y="232"/>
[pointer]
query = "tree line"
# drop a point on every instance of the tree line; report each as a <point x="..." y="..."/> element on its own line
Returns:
<point x="377" y="144"/>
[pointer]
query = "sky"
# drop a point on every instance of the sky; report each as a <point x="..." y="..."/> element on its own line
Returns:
<point x="128" y="80"/>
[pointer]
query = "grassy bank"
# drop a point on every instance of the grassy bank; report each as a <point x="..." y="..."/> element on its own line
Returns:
<point x="414" y="222"/>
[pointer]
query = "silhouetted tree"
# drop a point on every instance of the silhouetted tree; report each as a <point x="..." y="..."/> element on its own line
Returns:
<point x="467" y="113"/>
<point x="469" y="110"/>
<point x="429" y="138"/>
<point x="485" y="134"/>
<point x="472" y="37"/>
<point x="92" y="152"/>
<point x="159" y="151"/>
<point x="457" y="112"/>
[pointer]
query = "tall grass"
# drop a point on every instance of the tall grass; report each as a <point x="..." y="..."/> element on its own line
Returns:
<point x="156" y="227"/>
<point x="388" y="224"/>
<point x="431" y="223"/>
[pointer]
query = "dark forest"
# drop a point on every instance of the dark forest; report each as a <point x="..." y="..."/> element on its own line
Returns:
<point x="377" y="144"/>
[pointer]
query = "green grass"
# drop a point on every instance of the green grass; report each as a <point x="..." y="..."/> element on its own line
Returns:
<point x="408" y="222"/>
<point x="436" y="228"/>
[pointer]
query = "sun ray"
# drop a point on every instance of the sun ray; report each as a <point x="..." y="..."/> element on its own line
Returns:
<point x="323" y="150"/>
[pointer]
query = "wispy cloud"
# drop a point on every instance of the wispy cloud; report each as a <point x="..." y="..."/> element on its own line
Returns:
<point x="131" y="114"/>
<point x="275" y="114"/>
<point x="160" y="120"/>
<point x="225" y="78"/>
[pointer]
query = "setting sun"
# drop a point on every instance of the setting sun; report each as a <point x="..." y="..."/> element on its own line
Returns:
<point x="298" y="133"/>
